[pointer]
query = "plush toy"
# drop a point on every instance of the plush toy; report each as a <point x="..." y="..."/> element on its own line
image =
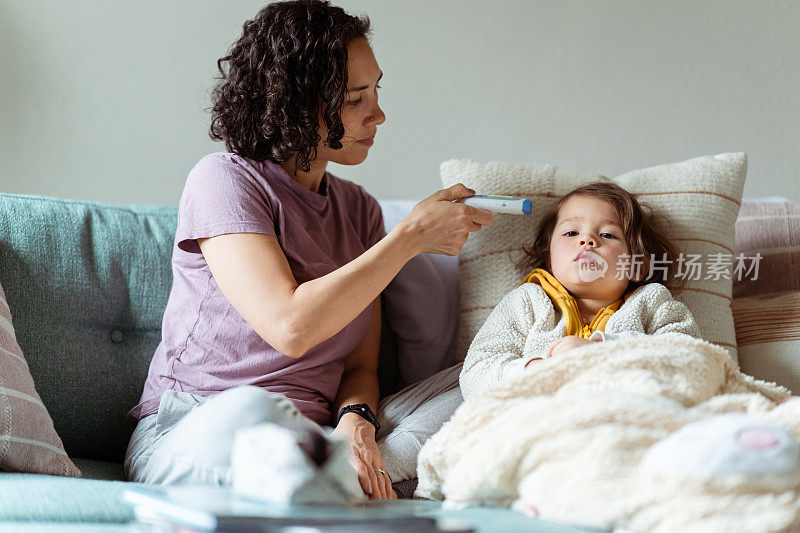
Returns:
<point x="728" y="447"/>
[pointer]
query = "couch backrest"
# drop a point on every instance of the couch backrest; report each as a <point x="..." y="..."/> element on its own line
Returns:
<point x="87" y="284"/>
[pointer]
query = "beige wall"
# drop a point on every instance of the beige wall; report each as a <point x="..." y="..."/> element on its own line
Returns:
<point x="105" y="100"/>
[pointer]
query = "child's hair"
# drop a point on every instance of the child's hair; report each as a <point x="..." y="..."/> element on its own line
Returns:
<point x="640" y="225"/>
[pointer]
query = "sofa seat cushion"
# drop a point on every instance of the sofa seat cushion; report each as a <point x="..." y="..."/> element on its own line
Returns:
<point x="37" y="502"/>
<point x="67" y="527"/>
<point x="105" y="470"/>
<point x="41" y="498"/>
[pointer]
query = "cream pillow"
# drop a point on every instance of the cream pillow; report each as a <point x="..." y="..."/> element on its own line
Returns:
<point x="700" y="196"/>
<point x="28" y="441"/>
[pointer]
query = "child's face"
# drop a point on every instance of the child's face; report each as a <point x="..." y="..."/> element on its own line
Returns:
<point x="586" y="243"/>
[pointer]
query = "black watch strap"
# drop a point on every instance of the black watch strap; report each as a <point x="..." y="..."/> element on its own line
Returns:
<point x="362" y="410"/>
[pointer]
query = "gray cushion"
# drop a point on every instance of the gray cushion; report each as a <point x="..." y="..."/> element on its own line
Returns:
<point x="421" y="304"/>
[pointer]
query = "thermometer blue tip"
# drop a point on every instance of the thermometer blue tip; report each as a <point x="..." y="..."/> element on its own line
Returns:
<point x="527" y="205"/>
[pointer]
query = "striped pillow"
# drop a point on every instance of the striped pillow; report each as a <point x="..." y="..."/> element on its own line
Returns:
<point x="768" y="335"/>
<point x="700" y="196"/>
<point x="766" y="308"/>
<point x="770" y="228"/>
<point x="28" y="440"/>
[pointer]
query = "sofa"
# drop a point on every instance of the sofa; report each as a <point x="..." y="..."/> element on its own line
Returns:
<point x="87" y="284"/>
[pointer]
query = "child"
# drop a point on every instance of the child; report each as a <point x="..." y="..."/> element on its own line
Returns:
<point x="575" y="294"/>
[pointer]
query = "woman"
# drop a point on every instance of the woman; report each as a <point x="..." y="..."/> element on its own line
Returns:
<point x="278" y="266"/>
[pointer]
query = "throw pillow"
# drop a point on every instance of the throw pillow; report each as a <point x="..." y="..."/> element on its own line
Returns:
<point x="771" y="229"/>
<point x="28" y="441"/>
<point x="421" y="305"/>
<point x="766" y="306"/>
<point x="701" y="197"/>
<point x="768" y="337"/>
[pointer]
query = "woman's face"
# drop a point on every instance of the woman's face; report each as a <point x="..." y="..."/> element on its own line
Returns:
<point x="585" y="248"/>
<point x="361" y="114"/>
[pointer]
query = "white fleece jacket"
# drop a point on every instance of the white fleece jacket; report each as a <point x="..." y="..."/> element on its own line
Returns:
<point x="525" y="322"/>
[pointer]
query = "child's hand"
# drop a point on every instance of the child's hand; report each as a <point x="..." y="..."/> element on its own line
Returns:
<point x="566" y="343"/>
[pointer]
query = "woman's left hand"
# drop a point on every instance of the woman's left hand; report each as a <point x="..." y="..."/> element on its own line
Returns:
<point x="566" y="343"/>
<point x="365" y="457"/>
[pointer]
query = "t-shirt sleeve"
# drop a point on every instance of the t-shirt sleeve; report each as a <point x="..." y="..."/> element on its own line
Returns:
<point x="374" y="221"/>
<point x="221" y="197"/>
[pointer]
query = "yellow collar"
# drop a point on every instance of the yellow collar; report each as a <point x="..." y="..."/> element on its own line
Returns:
<point x="569" y="307"/>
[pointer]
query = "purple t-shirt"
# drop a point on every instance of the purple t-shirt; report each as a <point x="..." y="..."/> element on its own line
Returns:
<point x="206" y="346"/>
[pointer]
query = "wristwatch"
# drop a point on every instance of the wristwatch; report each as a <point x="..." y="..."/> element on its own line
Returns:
<point x="362" y="410"/>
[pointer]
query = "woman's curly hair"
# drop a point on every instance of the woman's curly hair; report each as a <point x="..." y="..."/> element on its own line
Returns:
<point x="645" y="233"/>
<point x="288" y="68"/>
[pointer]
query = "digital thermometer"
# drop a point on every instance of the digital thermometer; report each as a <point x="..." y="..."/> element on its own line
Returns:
<point x="512" y="205"/>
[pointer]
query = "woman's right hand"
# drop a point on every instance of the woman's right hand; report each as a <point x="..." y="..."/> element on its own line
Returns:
<point x="441" y="226"/>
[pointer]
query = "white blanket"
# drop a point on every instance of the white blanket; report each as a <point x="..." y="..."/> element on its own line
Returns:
<point x="568" y="440"/>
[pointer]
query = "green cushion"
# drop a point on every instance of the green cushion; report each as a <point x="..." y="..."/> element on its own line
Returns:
<point x="75" y="273"/>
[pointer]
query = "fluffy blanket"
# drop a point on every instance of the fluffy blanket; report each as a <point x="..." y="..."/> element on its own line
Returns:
<point x="627" y="434"/>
